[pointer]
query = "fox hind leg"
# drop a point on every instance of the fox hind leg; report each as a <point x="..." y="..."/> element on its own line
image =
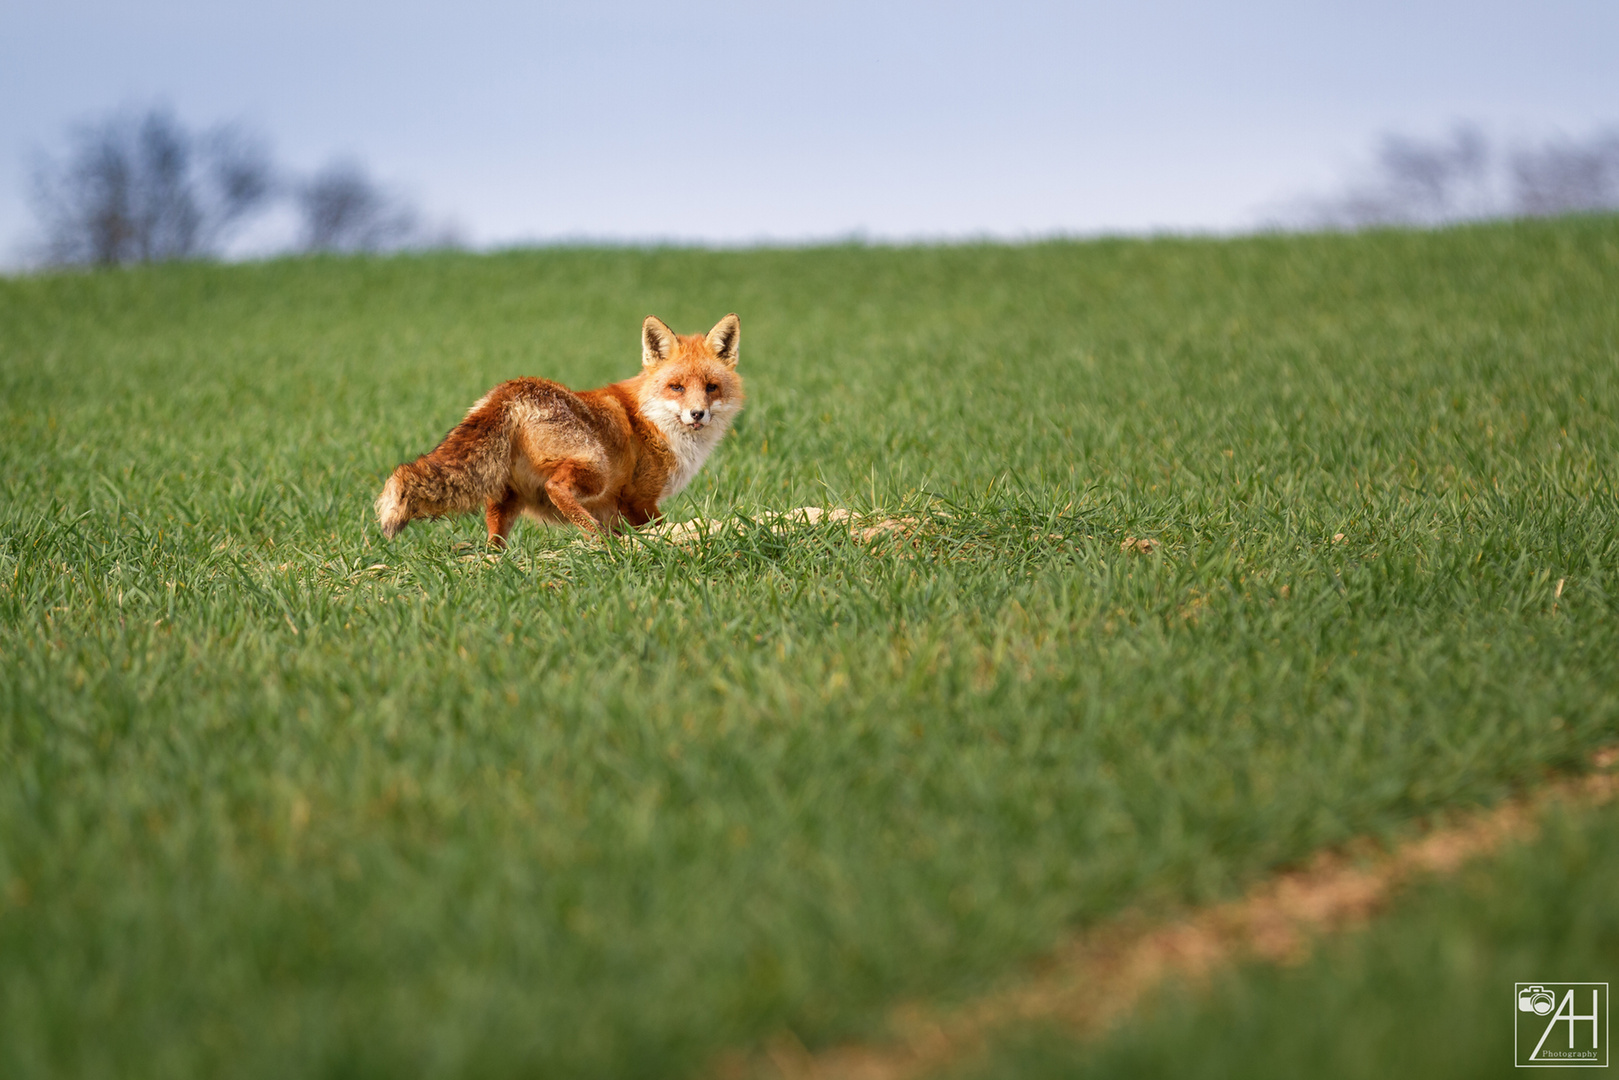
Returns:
<point x="501" y="515"/>
<point x="570" y="482"/>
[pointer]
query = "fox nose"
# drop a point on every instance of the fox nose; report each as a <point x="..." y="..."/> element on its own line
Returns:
<point x="697" y="415"/>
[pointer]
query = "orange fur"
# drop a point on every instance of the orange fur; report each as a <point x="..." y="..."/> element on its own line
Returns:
<point x="595" y="458"/>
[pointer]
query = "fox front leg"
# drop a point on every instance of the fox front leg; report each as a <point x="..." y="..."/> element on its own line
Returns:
<point x="635" y="515"/>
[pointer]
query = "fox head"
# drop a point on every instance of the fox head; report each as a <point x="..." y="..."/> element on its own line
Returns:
<point x="689" y="381"/>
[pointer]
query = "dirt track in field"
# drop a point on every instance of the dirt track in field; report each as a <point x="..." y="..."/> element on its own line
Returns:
<point x="1100" y="976"/>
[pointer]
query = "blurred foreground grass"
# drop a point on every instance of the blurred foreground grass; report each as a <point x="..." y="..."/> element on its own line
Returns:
<point x="1426" y="991"/>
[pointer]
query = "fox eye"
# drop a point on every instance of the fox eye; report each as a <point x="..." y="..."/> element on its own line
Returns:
<point x="677" y="388"/>
<point x="712" y="388"/>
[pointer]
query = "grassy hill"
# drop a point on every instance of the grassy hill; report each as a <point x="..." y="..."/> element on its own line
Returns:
<point x="280" y="798"/>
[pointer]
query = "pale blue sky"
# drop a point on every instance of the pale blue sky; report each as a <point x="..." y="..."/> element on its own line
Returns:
<point x="733" y="122"/>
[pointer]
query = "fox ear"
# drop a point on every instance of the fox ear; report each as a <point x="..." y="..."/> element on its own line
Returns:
<point x="725" y="338"/>
<point x="657" y="342"/>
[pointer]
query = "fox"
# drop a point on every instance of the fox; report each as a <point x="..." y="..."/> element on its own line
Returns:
<point x="596" y="459"/>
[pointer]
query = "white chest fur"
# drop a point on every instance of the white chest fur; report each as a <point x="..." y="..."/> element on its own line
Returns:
<point x="691" y="449"/>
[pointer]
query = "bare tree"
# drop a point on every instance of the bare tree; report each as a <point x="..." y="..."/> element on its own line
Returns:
<point x="1417" y="182"/>
<point x="142" y="188"/>
<point x="343" y="209"/>
<point x="1564" y="177"/>
<point x="1427" y="182"/>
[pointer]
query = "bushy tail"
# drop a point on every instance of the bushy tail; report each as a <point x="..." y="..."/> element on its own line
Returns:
<point x="471" y="466"/>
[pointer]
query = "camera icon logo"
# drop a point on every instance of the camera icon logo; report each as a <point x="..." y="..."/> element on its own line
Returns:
<point x="1536" y="999"/>
<point x="1560" y="1025"/>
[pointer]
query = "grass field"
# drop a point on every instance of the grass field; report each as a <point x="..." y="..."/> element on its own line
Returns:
<point x="278" y="798"/>
<point x="1427" y="992"/>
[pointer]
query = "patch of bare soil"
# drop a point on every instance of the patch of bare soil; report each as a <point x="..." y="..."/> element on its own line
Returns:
<point x="862" y="528"/>
<point x="1100" y="976"/>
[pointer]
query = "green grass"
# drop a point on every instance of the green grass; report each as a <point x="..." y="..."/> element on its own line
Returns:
<point x="1426" y="992"/>
<point x="279" y="798"/>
